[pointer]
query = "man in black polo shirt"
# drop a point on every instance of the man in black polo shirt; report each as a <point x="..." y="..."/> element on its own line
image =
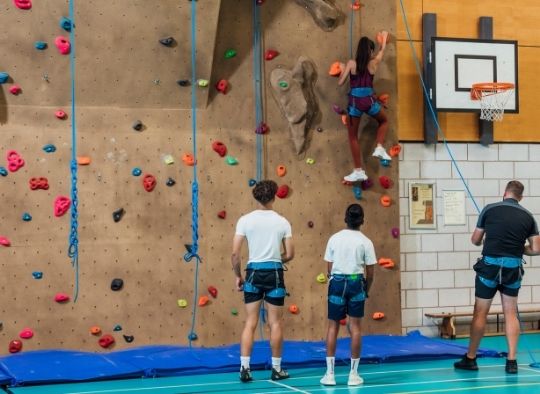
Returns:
<point x="506" y="226"/>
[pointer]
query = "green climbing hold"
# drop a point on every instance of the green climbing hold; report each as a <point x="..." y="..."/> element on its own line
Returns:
<point x="232" y="161"/>
<point x="202" y="83"/>
<point x="283" y="84"/>
<point x="234" y="312"/>
<point x="230" y="53"/>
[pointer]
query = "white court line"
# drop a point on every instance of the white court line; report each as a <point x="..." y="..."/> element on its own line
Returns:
<point x="469" y="388"/>
<point x="288" y="387"/>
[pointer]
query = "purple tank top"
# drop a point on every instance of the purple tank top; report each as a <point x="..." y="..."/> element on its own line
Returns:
<point x="364" y="80"/>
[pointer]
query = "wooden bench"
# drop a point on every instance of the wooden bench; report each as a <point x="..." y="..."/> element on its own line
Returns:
<point x="447" y="325"/>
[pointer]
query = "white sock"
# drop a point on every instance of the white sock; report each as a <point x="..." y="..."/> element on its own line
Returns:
<point x="276" y="363"/>
<point x="330" y="362"/>
<point x="354" y="364"/>
<point x="244" y="362"/>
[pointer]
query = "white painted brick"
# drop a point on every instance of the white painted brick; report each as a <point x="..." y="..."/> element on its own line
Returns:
<point x="454" y="297"/>
<point x="473" y="257"/>
<point x="462" y="243"/>
<point x="404" y="206"/>
<point x="435" y="169"/>
<point x="533" y="189"/>
<point x="531" y="276"/>
<point x="402" y="228"/>
<point x="421" y="298"/>
<point x="514" y="152"/>
<point x="473" y="221"/>
<point x="421" y="261"/>
<point x="416" y="231"/>
<point x="533" y="261"/>
<point x="469" y="170"/>
<point x="411" y="317"/>
<point x="410" y="243"/>
<point x="465" y="277"/>
<point x="527" y="170"/>
<point x="409" y="169"/>
<point x="534" y="152"/>
<point x="453" y="260"/>
<point x="403" y="192"/>
<point x="437" y="243"/>
<point x="411" y="280"/>
<point x="477" y="152"/>
<point x="448" y="184"/>
<point x="492" y="200"/>
<point x="536" y="293"/>
<point x="532" y="204"/>
<point x="470" y="208"/>
<point x="498" y="170"/>
<point x="438" y="279"/>
<point x="525" y="294"/>
<point x="453" y="228"/>
<point x="484" y="188"/>
<point x="418" y="151"/>
<point x="459" y="151"/>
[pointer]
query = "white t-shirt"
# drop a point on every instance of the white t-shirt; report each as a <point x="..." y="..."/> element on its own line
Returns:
<point x="349" y="251"/>
<point x="264" y="230"/>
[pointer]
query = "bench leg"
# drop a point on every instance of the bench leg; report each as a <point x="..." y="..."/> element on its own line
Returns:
<point x="448" y="328"/>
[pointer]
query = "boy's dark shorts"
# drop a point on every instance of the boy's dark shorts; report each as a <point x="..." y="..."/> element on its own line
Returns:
<point x="346" y="296"/>
<point x="265" y="284"/>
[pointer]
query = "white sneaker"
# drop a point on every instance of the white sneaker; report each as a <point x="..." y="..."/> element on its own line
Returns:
<point x="355" y="379"/>
<point x="356" y="176"/>
<point x="381" y="153"/>
<point x="329" y="379"/>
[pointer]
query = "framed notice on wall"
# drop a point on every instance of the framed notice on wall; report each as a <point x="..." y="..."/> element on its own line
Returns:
<point x="422" y="206"/>
<point x="454" y="207"/>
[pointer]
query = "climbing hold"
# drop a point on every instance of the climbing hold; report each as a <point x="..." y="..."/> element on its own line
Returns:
<point x="283" y="84"/>
<point x="136" y="171"/>
<point x="61" y="297"/>
<point x="15" y="90"/>
<point x="15" y="346"/>
<point x="26" y="217"/>
<point x="232" y="161"/>
<point x="37" y="274"/>
<point x="26" y="333"/>
<point x="149" y="182"/>
<point x="182" y="303"/>
<point x="309" y="160"/>
<point x="366" y="184"/>
<point x="384" y="98"/>
<point x="220" y="148"/>
<point x="117" y="284"/>
<point x="234" y="312"/>
<point x="183" y="82"/>
<point x="293" y="309"/>
<point x="192" y="336"/>
<point x="189" y="159"/>
<point x="386" y="262"/>
<point x="335" y="69"/>
<point x="15" y="161"/>
<point x="355" y="6"/>
<point x="282" y="191"/>
<point x="222" y="214"/>
<point x="230" y="53"/>
<point x="381" y="37"/>
<point x="167" y="41"/>
<point x="270" y="54"/>
<point x="222" y="86"/>
<point x="118" y="215"/>
<point x="310" y="224"/>
<point x="170" y="182"/>
<point x="60" y="114"/>
<point x="118" y="327"/>
<point x="40" y="45"/>
<point x="343" y="321"/>
<point x="49" y="148"/>
<point x="213" y="291"/>
<point x="281" y="170"/>
<point x="5" y="242"/>
<point x="65" y="23"/>
<point x="39" y="183"/>
<point x="395" y="150"/>
<point x="385" y="162"/>
<point x="202" y="83"/>
<point x="23" y="4"/>
<point x="168" y="159"/>
<point x="203" y="300"/>
<point x="321" y="278"/>
<point x="386" y="201"/>
<point x="260" y="2"/>
<point x="61" y="205"/>
<point x="262" y="128"/>
<point x="83" y="160"/>
<point x="106" y="341"/>
<point x="95" y="330"/>
<point x="357" y="191"/>
<point x="3" y="171"/>
<point x="4" y="76"/>
<point x="344" y="119"/>
<point x="338" y="110"/>
<point x="395" y="232"/>
<point x="385" y="181"/>
<point x="63" y="45"/>
<point x="320" y="129"/>
<point x="252" y="182"/>
<point x="128" y="338"/>
<point x="137" y="125"/>
<point x="378" y="316"/>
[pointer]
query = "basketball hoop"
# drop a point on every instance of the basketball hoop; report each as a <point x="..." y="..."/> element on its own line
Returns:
<point x="493" y="97"/>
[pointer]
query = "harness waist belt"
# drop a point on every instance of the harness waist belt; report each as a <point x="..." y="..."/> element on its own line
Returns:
<point x="506" y="262"/>
<point x="266" y="265"/>
<point x="361" y="92"/>
<point x="348" y="277"/>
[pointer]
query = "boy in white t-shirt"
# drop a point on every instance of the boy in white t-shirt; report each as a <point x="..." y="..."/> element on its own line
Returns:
<point x="351" y="259"/>
<point x="266" y="232"/>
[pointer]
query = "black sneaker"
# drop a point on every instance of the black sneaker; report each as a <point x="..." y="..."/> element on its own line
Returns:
<point x="511" y="366"/>
<point x="245" y="375"/>
<point x="466" y="363"/>
<point x="279" y="375"/>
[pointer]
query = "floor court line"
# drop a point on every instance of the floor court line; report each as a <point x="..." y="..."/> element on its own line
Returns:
<point x="445" y="390"/>
<point x="288" y="387"/>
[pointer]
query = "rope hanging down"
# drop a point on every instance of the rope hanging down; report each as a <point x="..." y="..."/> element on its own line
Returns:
<point x="73" y="250"/>
<point x="257" y="78"/>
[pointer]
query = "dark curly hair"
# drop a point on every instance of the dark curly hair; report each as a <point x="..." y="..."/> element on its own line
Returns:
<point x="354" y="216"/>
<point x="265" y="191"/>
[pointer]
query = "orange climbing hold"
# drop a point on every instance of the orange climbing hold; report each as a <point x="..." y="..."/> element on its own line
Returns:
<point x="382" y="36"/>
<point x="344" y="120"/>
<point x="384" y="98"/>
<point x="294" y="309"/>
<point x="188" y="159"/>
<point x="386" y="262"/>
<point x="335" y="69"/>
<point x="203" y="300"/>
<point x="95" y="330"/>
<point x="281" y="170"/>
<point x="83" y="160"/>
<point x="386" y="201"/>
<point x="395" y="150"/>
<point x="378" y="316"/>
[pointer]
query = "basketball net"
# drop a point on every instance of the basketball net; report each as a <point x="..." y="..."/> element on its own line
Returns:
<point x="493" y="98"/>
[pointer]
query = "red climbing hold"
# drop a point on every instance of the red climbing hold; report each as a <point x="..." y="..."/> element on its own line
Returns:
<point x="4" y="242"/>
<point x="262" y="128"/>
<point x="222" y="214"/>
<point x="282" y="191"/>
<point x="149" y="182"/>
<point x="15" y="90"/>
<point x="14" y="160"/>
<point x="61" y="297"/>
<point x="63" y="45"/>
<point x="385" y="181"/>
<point x="213" y="291"/>
<point x="23" y="4"/>
<point x="222" y="86"/>
<point x="294" y="309"/>
<point x="260" y="2"/>
<point x="343" y="321"/>
<point x="60" y="114"/>
<point x="15" y="346"/>
<point x="26" y="333"/>
<point x="220" y="148"/>
<point x="39" y="183"/>
<point x="61" y="205"/>
<point x="271" y="54"/>
<point x="106" y="341"/>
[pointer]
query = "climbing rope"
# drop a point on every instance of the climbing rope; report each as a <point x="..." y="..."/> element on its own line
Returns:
<point x="73" y="250"/>
<point x="194" y="248"/>
<point x="351" y="30"/>
<point x="257" y="77"/>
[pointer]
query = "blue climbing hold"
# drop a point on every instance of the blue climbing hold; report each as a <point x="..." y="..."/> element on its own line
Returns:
<point x="37" y="274"/>
<point x="118" y="327"/>
<point x="65" y="23"/>
<point x="357" y="190"/>
<point x="49" y="148"/>
<point x="4" y="76"/>
<point x="26" y="217"/>
<point x="192" y="336"/>
<point x="385" y="162"/>
<point x="3" y="171"/>
<point x="136" y="171"/>
<point x="40" y="45"/>
<point x="252" y="182"/>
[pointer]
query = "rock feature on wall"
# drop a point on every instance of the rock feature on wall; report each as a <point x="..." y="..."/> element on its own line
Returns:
<point x="324" y="12"/>
<point x="293" y="91"/>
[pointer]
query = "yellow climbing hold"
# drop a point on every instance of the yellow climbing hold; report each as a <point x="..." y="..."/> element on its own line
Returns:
<point x="202" y="83"/>
<point x="309" y="160"/>
<point x="321" y="278"/>
<point x="182" y="303"/>
<point x="168" y="159"/>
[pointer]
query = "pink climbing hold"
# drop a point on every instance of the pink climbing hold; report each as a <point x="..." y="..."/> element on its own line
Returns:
<point x="23" y="4"/>
<point x="60" y="114"/>
<point x="395" y="232"/>
<point x="262" y="128"/>
<point x="222" y="86"/>
<point x="15" y="161"/>
<point x="15" y="90"/>
<point x="63" y="45"/>
<point x="338" y="110"/>
<point x="26" y="333"/>
<point x="4" y="242"/>
<point x="61" y="297"/>
<point x="271" y="54"/>
<point x="61" y="205"/>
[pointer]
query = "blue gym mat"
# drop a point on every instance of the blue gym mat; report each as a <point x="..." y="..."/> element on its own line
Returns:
<point x="55" y="366"/>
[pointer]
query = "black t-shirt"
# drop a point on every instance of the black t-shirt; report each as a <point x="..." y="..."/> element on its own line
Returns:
<point x="507" y="226"/>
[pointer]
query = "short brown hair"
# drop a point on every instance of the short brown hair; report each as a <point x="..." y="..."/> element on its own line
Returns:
<point x="515" y="187"/>
<point x="265" y="191"/>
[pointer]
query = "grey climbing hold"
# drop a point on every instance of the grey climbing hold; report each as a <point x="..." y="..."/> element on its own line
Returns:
<point x="183" y="82"/>
<point x="137" y="125"/>
<point x="320" y="129"/>
<point x="118" y="215"/>
<point x="167" y="41"/>
<point x="324" y="12"/>
<point x="170" y="182"/>
<point x="129" y="338"/>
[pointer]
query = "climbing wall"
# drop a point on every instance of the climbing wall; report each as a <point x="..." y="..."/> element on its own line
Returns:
<point x="124" y="74"/>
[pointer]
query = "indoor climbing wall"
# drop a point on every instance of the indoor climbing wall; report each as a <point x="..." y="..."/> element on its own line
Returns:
<point x="134" y="115"/>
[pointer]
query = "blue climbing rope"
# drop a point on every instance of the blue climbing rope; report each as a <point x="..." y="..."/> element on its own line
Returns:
<point x="73" y="250"/>
<point x="430" y="106"/>
<point x="194" y="249"/>
<point x="257" y="77"/>
<point x="351" y="30"/>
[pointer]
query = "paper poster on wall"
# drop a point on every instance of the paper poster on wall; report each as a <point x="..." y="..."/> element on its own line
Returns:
<point x="422" y="206"/>
<point x="454" y="207"/>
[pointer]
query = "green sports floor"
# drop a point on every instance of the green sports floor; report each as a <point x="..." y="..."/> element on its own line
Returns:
<point x="405" y="377"/>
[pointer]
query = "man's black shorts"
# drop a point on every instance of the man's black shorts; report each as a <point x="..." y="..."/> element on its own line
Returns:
<point x="265" y="284"/>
